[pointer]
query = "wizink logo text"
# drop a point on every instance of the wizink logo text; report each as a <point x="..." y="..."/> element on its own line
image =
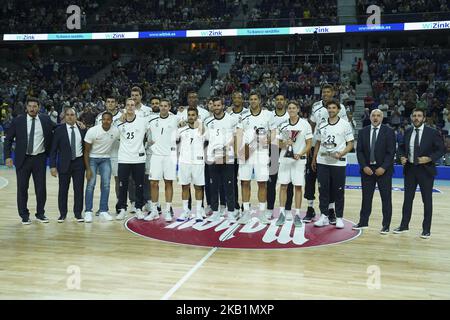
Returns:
<point x="211" y="33"/>
<point x="115" y="36"/>
<point x="318" y="30"/>
<point x="224" y="233"/>
<point x="25" y="37"/>
<point x="436" y="25"/>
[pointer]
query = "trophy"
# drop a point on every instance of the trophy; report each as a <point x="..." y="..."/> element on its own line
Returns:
<point x="258" y="140"/>
<point x="292" y="135"/>
<point x="219" y="152"/>
<point x="330" y="148"/>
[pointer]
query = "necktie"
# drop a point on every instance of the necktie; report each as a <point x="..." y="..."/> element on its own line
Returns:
<point x="30" y="146"/>
<point x="72" y="143"/>
<point x="416" y="148"/>
<point x="372" y="145"/>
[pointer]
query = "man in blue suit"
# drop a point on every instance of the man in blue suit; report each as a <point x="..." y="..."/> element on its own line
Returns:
<point x="375" y="151"/>
<point x="66" y="159"/>
<point x="33" y="136"/>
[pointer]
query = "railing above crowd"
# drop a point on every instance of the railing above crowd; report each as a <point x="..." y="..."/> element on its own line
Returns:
<point x="288" y="59"/>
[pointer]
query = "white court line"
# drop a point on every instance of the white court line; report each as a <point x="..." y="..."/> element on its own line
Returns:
<point x="3" y="182"/>
<point x="188" y="275"/>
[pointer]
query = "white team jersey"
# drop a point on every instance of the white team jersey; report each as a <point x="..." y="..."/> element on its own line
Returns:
<point x="238" y="116"/>
<point x="220" y="134"/>
<point x="102" y="141"/>
<point x="163" y="132"/>
<point x="115" y="123"/>
<point x="144" y="111"/>
<point x="333" y="138"/>
<point x="191" y="145"/>
<point x="285" y="131"/>
<point x="202" y="114"/>
<point x="131" y="147"/>
<point x="319" y="113"/>
<point x="116" y="118"/>
<point x="255" y="127"/>
<point x="277" y="120"/>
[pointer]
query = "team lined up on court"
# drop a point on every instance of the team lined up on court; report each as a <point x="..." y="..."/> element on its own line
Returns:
<point x="214" y="150"/>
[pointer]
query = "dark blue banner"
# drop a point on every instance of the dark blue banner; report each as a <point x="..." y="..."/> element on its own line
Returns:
<point x="162" y="34"/>
<point x="375" y="28"/>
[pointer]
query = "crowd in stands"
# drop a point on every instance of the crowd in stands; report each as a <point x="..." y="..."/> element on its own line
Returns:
<point x="171" y="14"/>
<point x="43" y="16"/>
<point x="296" y="13"/>
<point x="300" y="80"/>
<point x="59" y="85"/>
<point x="119" y="15"/>
<point x="409" y="78"/>
<point x="407" y="10"/>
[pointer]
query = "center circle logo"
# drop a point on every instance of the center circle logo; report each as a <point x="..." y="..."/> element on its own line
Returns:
<point x="253" y="235"/>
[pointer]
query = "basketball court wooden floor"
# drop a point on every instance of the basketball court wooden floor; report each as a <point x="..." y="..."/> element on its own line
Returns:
<point x="104" y="260"/>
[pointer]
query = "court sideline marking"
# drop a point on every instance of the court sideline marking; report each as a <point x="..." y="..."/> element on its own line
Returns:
<point x="3" y="182"/>
<point x="188" y="274"/>
<point x="193" y="270"/>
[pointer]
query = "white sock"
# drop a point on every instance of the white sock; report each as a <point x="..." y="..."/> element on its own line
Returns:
<point x="199" y="205"/>
<point x="331" y="205"/>
<point x="262" y="207"/>
<point x="246" y="206"/>
<point x="282" y="210"/>
<point x="168" y="206"/>
<point x="310" y="203"/>
<point x="297" y="212"/>
<point x="186" y="205"/>
<point x="157" y="204"/>
<point x="149" y="202"/>
<point x="154" y="206"/>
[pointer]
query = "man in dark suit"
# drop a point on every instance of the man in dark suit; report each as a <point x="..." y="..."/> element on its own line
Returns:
<point x="67" y="148"/>
<point x="375" y="151"/>
<point x="421" y="148"/>
<point x="33" y="136"/>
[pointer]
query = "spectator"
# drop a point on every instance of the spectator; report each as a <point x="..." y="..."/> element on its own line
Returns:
<point x="53" y="114"/>
<point x="359" y="69"/>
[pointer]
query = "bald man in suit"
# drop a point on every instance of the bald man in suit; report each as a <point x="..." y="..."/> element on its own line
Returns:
<point x="375" y="151"/>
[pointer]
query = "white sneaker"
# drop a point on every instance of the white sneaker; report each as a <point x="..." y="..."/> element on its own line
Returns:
<point x="154" y="215"/>
<point x="246" y="217"/>
<point x="105" y="216"/>
<point x="132" y="208"/>
<point x="322" y="222"/>
<point x="122" y="215"/>
<point x="269" y="214"/>
<point x="208" y="211"/>
<point x="215" y="216"/>
<point x="147" y="207"/>
<point x="199" y="216"/>
<point x="288" y="215"/>
<point x="233" y="216"/>
<point x="139" y="214"/>
<point x="88" y="217"/>
<point x="184" y="216"/>
<point x="223" y="210"/>
<point x="168" y="216"/>
<point x="339" y="223"/>
<point x="199" y="213"/>
<point x="263" y="218"/>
